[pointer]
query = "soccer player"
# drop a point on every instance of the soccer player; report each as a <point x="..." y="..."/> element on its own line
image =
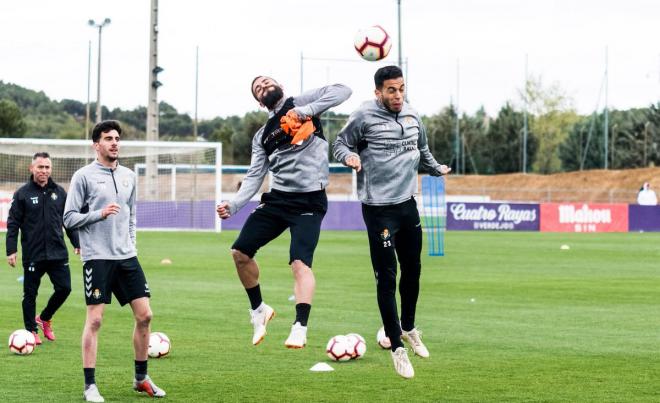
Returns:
<point x="384" y="140"/>
<point x="298" y="162"/>
<point x="101" y="205"/>
<point x="36" y="210"/>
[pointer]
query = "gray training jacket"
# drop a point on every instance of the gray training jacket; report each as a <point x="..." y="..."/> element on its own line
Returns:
<point x="301" y="169"/>
<point x="93" y="187"/>
<point x="390" y="147"/>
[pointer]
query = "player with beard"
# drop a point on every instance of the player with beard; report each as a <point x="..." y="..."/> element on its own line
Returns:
<point x="384" y="141"/>
<point x="298" y="162"/>
<point x="101" y="205"/>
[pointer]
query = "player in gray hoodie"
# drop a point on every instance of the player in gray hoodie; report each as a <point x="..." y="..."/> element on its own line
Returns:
<point x="101" y="205"/>
<point x="297" y="200"/>
<point x="384" y="140"/>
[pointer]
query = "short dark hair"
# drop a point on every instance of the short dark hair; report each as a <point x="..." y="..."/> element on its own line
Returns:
<point x="41" y="154"/>
<point x="386" y="73"/>
<point x="104" y="127"/>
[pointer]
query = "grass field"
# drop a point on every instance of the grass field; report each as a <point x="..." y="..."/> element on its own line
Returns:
<point x="508" y="317"/>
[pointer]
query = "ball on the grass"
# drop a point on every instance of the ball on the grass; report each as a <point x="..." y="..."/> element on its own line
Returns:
<point x="357" y="346"/>
<point x="159" y="345"/>
<point x="338" y="349"/>
<point x="21" y="342"/>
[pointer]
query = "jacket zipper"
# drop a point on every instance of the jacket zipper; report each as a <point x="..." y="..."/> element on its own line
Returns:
<point x="112" y="173"/>
<point x="43" y="219"/>
<point x="396" y="119"/>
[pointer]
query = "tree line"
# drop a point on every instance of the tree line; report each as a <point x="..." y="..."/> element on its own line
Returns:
<point x="558" y="138"/>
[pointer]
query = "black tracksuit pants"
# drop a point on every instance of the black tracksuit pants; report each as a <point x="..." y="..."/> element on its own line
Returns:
<point x="395" y="231"/>
<point x="60" y="276"/>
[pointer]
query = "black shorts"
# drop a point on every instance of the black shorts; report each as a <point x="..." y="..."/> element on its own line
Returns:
<point x="124" y="278"/>
<point x="302" y="213"/>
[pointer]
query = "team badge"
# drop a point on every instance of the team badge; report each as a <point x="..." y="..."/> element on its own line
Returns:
<point x="125" y="182"/>
<point x="97" y="293"/>
<point x="53" y="196"/>
<point x="408" y="120"/>
<point x="385" y="235"/>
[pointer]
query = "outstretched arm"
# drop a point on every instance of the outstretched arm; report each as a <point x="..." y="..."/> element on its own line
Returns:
<point x="315" y="102"/>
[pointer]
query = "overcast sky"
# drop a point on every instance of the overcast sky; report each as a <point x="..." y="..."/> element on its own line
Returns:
<point x="44" y="46"/>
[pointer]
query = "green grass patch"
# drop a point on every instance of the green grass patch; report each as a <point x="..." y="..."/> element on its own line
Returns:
<point x="507" y="317"/>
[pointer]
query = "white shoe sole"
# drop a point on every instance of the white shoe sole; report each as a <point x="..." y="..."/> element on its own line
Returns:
<point x="294" y="346"/>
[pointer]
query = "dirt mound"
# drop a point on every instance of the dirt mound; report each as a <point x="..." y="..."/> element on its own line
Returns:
<point x="602" y="186"/>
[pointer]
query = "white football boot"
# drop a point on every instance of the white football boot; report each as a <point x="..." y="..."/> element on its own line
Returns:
<point x="298" y="336"/>
<point x="91" y="394"/>
<point x="414" y="338"/>
<point x="402" y="364"/>
<point x="259" y="319"/>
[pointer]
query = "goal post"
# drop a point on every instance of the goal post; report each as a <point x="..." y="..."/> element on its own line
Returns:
<point x="179" y="194"/>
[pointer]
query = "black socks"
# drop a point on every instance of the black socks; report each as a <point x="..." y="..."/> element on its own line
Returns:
<point x="254" y="294"/>
<point x="140" y="370"/>
<point x="89" y="376"/>
<point x="302" y="313"/>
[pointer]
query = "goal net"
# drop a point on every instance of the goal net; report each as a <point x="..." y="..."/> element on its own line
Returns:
<point x="179" y="183"/>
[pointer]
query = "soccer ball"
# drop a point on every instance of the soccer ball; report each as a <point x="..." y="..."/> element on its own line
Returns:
<point x="21" y="342"/>
<point x="382" y="340"/>
<point x="373" y="43"/>
<point x="357" y="346"/>
<point x="159" y="345"/>
<point x="338" y="349"/>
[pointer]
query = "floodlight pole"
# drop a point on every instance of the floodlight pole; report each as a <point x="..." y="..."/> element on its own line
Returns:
<point x="524" y="167"/>
<point x="100" y="26"/>
<point x="646" y="134"/>
<point x="398" y="3"/>
<point x="89" y="83"/>
<point x="152" y="102"/>
<point x="458" y="119"/>
<point x="152" y="105"/>
<point x="605" y="126"/>
<point x="196" y="92"/>
<point x="302" y="59"/>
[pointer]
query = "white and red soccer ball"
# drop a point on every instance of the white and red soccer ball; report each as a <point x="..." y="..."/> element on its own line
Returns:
<point x="357" y="346"/>
<point x="343" y="348"/>
<point x="22" y="342"/>
<point x="373" y="43"/>
<point x="338" y="349"/>
<point x="159" y="345"/>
